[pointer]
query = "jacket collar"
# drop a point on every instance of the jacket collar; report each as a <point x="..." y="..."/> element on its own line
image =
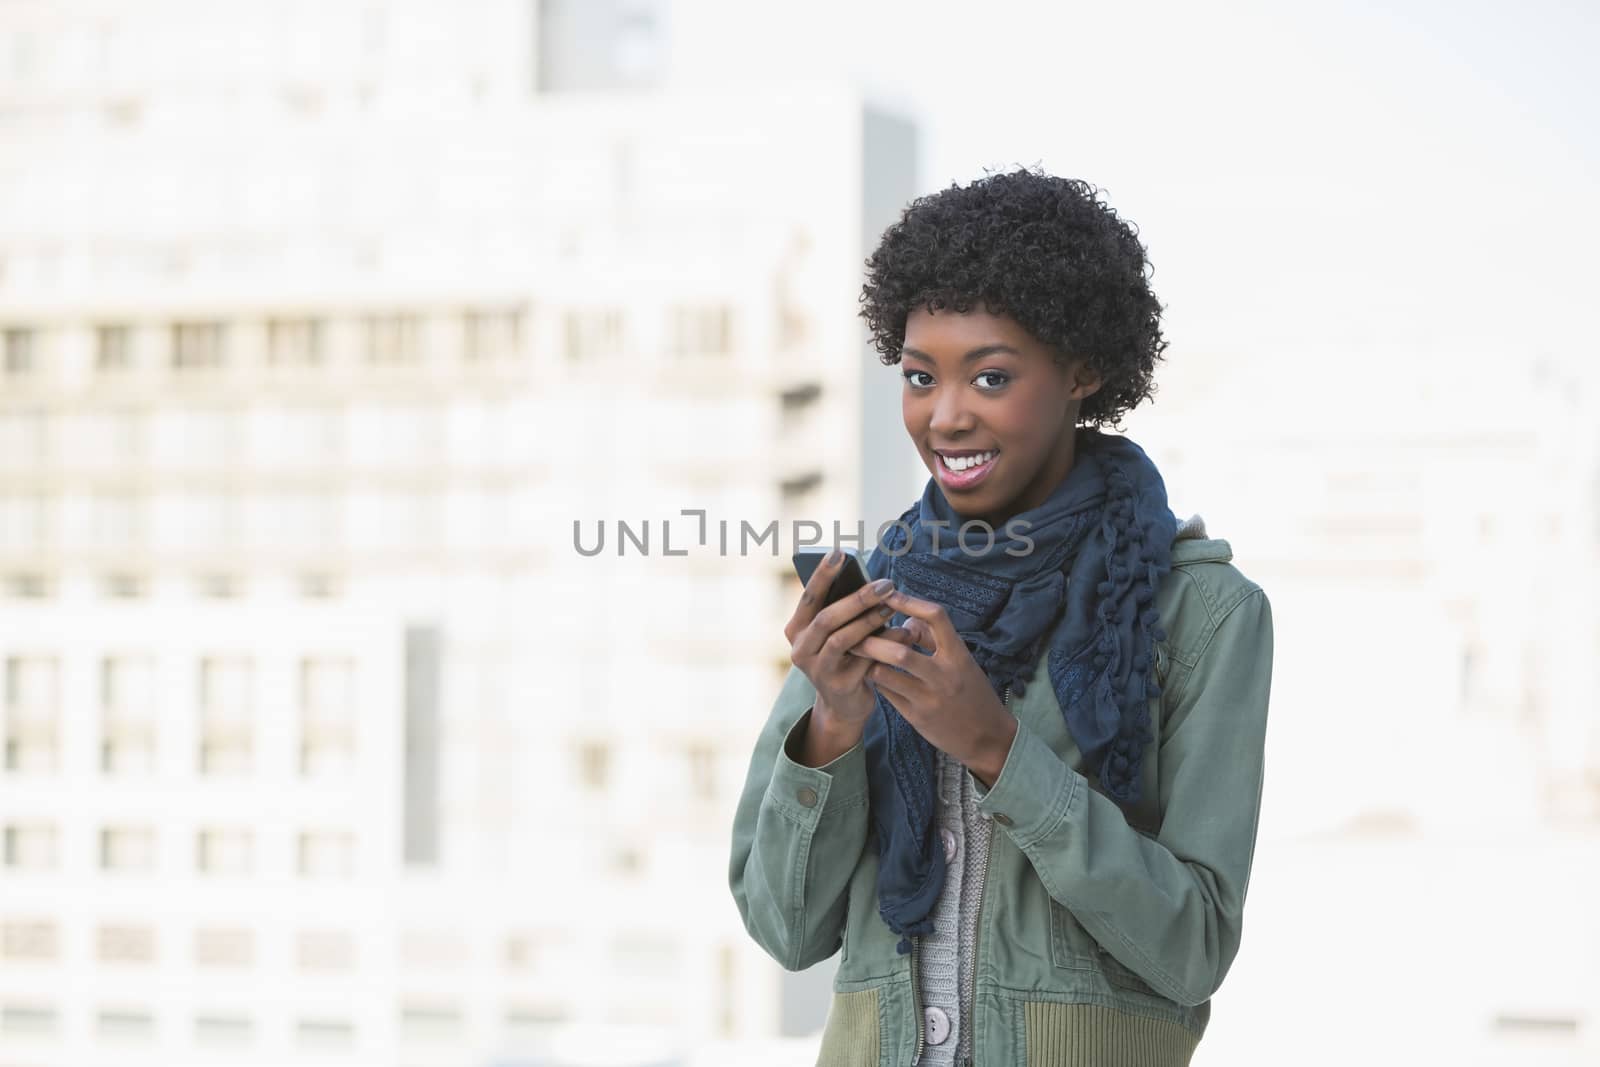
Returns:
<point x="1192" y="545"/>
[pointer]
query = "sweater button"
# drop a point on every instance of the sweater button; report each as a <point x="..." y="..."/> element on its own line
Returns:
<point x="949" y="840"/>
<point x="807" y="796"/>
<point x="938" y="1025"/>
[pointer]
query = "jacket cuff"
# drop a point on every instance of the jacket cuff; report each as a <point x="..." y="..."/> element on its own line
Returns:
<point x="804" y="793"/>
<point x="1033" y="792"/>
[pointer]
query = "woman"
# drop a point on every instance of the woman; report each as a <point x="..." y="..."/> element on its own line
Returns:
<point x="1027" y="811"/>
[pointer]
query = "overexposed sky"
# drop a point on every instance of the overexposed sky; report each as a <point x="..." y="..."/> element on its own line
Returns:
<point x="1308" y="178"/>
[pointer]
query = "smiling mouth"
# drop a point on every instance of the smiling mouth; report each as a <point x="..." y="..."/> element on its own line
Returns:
<point x="962" y="462"/>
<point x="962" y="472"/>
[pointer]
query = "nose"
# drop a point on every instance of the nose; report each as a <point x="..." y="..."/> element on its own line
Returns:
<point x="950" y="416"/>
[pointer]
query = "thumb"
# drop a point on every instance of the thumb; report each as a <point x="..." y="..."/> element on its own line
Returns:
<point x="921" y="633"/>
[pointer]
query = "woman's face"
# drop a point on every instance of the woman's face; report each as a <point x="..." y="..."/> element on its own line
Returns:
<point x="979" y="385"/>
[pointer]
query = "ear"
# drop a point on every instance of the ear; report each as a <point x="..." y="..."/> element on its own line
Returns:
<point x="1085" y="382"/>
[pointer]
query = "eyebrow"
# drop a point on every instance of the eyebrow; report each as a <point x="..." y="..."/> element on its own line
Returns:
<point x="976" y="353"/>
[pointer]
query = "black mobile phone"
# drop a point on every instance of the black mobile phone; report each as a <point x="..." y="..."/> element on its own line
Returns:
<point x="852" y="576"/>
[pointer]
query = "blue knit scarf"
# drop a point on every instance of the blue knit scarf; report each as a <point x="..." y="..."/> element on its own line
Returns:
<point x="1101" y="544"/>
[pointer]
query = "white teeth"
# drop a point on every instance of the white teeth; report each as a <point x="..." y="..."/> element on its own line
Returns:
<point x="961" y="463"/>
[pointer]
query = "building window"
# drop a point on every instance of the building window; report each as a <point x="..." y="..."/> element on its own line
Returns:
<point x="229" y="1030"/>
<point x="594" y="764"/>
<point x="297" y="520"/>
<point x="124" y="1025"/>
<point x="32" y="728"/>
<point x="123" y="586"/>
<point x="208" y="437"/>
<point x="28" y="940"/>
<point x="492" y="335"/>
<point x="28" y="585"/>
<point x="430" y="1022"/>
<point x="24" y="522"/>
<point x="533" y="1021"/>
<point x="592" y="333"/>
<point x="226" y="852"/>
<point x="521" y="952"/>
<point x="432" y="950"/>
<point x="27" y="1020"/>
<point x="294" y="342"/>
<point x="646" y="955"/>
<point x="393" y="340"/>
<point x="224" y="947"/>
<point x="127" y="715"/>
<point x="197" y="345"/>
<point x="18" y="344"/>
<point x="325" y="1033"/>
<point x="118" y="943"/>
<point x="127" y="848"/>
<point x="24" y="438"/>
<point x="116" y="520"/>
<point x="226" y="715"/>
<point x="30" y="847"/>
<point x="796" y="403"/>
<point x="325" y="950"/>
<point x="727" y="991"/>
<point x="327" y="717"/>
<point x="318" y="585"/>
<point x="220" y="586"/>
<point x="701" y="331"/>
<point x="326" y="854"/>
<point x="113" y="349"/>
<point x="702" y="761"/>
<point x="795" y="492"/>
<point x="114" y="438"/>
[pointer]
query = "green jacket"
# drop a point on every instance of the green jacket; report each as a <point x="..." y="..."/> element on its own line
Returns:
<point x="1101" y="938"/>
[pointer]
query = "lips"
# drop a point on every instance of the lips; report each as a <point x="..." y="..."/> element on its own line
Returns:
<point x="971" y="475"/>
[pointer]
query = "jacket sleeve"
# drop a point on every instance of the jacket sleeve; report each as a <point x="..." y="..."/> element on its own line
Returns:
<point x="797" y="836"/>
<point x="1169" y="908"/>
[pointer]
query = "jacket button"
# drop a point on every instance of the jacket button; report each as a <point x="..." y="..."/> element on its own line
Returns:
<point x="1002" y="818"/>
<point x="938" y="1025"/>
<point x="949" y="840"/>
<point x="807" y="796"/>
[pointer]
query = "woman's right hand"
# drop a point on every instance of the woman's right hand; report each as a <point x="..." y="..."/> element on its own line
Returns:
<point x="821" y="640"/>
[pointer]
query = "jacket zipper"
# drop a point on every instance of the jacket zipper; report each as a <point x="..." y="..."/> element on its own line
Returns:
<point x="916" y="1003"/>
<point x="916" y="978"/>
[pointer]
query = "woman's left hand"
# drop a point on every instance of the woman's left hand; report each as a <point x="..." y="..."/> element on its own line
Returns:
<point x="945" y="696"/>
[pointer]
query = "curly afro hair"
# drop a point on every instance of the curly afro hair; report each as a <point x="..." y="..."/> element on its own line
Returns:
<point x="1042" y="250"/>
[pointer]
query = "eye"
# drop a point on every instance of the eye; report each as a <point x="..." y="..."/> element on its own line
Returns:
<point x="1001" y="375"/>
<point x="908" y="375"/>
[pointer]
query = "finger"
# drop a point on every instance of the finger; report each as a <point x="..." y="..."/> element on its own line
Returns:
<point x="894" y="655"/>
<point x="861" y="606"/>
<point x="899" y="635"/>
<point x="940" y="629"/>
<point x="812" y="595"/>
<point x="869" y="598"/>
<point x="846" y="637"/>
<point x="921" y="635"/>
<point x="903" y="689"/>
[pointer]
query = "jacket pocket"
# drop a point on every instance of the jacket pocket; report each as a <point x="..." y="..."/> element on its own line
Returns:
<point x="869" y="945"/>
<point x="850" y="1038"/>
<point x="1074" y="948"/>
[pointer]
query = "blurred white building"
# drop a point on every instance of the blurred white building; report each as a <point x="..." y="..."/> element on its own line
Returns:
<point x="321" y="326"/>
<point x="1427" y="525"/>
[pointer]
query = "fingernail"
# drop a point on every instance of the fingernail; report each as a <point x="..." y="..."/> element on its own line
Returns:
<point x="886" y="612"/>
<point x="836" y="555"/>
<point x="882" y="585"/>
